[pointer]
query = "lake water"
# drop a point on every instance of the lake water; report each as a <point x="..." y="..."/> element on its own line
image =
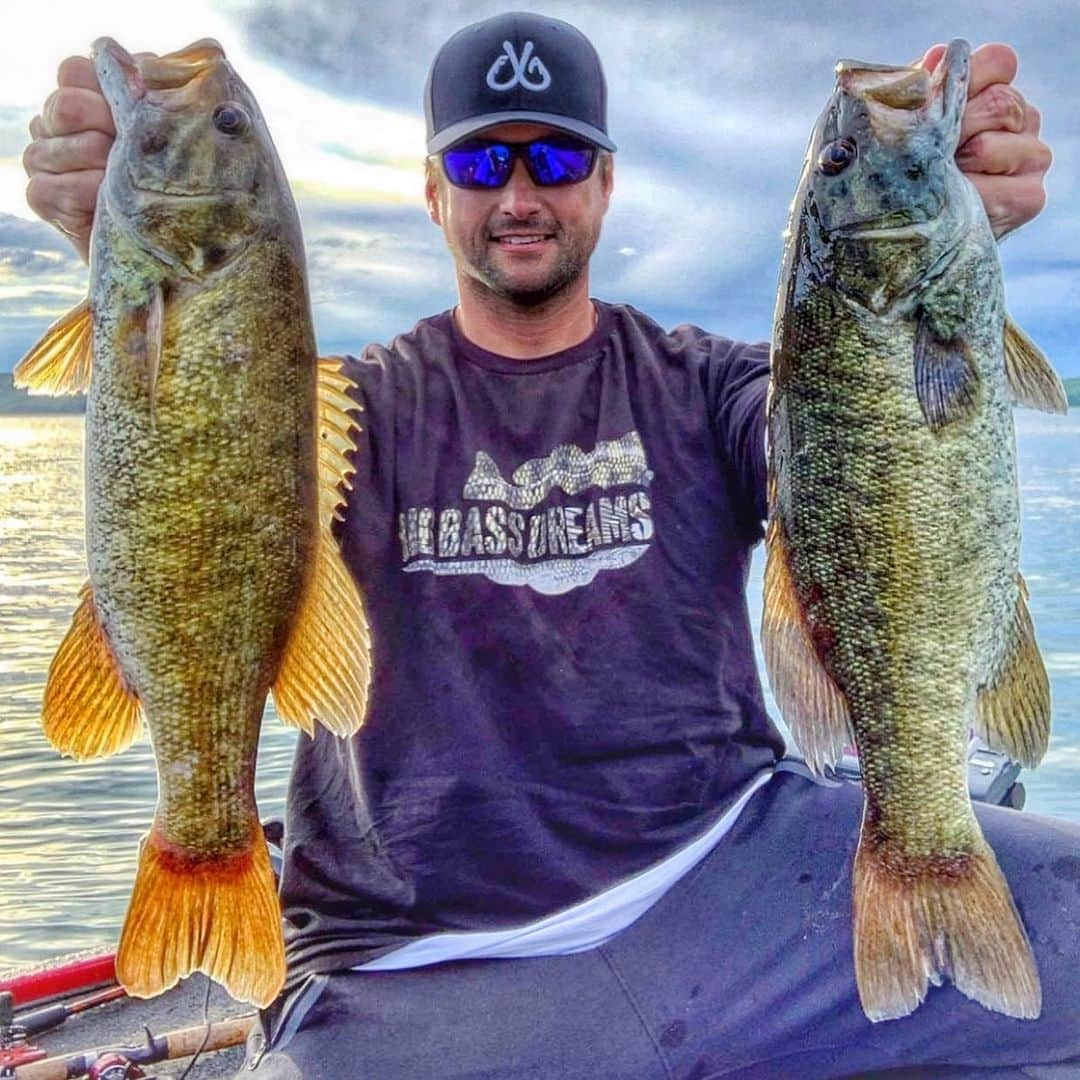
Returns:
<point x="69" y="832"/>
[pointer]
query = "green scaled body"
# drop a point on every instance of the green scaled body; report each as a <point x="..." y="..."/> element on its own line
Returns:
<point x="216" y="458"/>
<point x="895" y="614"/>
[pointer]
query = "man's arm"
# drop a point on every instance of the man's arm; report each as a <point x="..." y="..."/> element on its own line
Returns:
<point x="1000" y="149"/>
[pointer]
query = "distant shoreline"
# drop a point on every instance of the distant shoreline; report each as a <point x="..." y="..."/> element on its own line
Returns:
<point x="19" y="403"/>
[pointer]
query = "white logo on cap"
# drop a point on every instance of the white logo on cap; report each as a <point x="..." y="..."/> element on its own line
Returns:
<point x="521" y="69"/>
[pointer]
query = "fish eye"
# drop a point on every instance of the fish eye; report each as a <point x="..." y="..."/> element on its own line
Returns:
<point x="837" y="156"/>
<point x="230" y="119"/>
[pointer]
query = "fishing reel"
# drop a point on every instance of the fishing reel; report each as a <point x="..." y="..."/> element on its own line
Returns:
<point x="14" y="1049"/>
<point x="114" y="1066"/>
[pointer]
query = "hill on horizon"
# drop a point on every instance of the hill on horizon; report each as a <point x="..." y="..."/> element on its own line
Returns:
<point x="19" y="403"/>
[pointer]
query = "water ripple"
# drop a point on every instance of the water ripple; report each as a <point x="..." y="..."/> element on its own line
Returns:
<point x="69" y="832"/>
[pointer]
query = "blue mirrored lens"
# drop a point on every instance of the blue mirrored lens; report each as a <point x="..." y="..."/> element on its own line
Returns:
<point x="560" y="163"/>
<point x="486" y="165"/>
<point x="479" y="164"/>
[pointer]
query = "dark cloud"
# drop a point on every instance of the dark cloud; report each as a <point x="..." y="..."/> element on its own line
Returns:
<point x="26" y="311"/>
<point x="17" y="232"/>
<point x="373" y="271"/>
<point x="711" y="104"/>
<point x="725" y="52"/>
<point x="22" y="261"/>
<point x="40" y="275"/>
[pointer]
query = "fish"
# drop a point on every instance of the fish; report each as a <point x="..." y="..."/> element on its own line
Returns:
<point x="895" y="615"/>
<point x="217" y="458"/>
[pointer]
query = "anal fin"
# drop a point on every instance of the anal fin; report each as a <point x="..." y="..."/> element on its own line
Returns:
<point x="89" y="710"/>
<point x="1012" y="711"/>
<point x="326" y="668"/>
<point x="810" y="702"/>
<point x="1032" y="380"/>
<point x="220" y="916"/>
<point x="61" y="362"/>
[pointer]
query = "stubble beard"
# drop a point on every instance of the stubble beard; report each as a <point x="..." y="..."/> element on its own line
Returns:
<point x="572" y="262"/>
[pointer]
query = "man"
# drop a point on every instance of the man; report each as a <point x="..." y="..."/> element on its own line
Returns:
<point x="561" y="847"/>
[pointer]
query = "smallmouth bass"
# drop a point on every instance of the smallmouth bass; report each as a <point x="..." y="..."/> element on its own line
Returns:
<point x="216" y="459"/>
<point x="895" y="614"/>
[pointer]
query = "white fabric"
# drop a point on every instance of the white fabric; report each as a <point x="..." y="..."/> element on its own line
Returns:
<point x="577" y="928"/>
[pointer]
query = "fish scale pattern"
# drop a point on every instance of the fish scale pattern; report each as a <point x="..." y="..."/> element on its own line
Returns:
<point x="894" y="608"/>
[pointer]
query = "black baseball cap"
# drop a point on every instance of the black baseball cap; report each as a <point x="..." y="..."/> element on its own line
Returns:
<point x="516" y="66"/>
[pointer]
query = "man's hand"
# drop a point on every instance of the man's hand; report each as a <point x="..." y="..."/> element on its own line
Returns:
<point x="1000" y="151"/>
<point x="66" y="160"/>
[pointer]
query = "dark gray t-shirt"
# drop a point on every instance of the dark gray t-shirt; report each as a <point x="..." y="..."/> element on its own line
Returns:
<point x="553" y="553"/>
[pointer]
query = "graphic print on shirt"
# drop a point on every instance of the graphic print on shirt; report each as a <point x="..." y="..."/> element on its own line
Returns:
<point x="523" y="531"/>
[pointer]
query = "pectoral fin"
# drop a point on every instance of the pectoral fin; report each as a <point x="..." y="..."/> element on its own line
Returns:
<point x="1031" y="378"/>
<point x="89" y="710"/>
<point x="326" y="669"/>
<point x="945" y="378"/>
<point x="61" y="362"/>
<point x="155" y="332"/>
<point x="1012" y="712"/>
<point x="811" y="703"/>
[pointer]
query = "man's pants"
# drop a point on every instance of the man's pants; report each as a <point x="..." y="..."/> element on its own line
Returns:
<point x="743" y="969"/>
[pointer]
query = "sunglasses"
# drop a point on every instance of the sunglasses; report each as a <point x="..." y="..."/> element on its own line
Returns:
<point x="551" y="161"/>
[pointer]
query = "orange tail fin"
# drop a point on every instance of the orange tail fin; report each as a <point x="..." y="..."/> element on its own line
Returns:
<point x="221" y="918"/>
<point x="916" y="926"/>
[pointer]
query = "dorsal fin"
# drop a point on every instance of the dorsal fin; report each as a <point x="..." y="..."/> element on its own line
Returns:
<point x="1031" y="378"/>
<point x="326" y="668"/>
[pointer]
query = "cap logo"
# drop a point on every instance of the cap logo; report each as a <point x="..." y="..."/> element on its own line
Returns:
<point x="527" y="70"/>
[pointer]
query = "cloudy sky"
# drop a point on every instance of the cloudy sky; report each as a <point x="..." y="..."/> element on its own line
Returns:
<point x="711" y="103"/>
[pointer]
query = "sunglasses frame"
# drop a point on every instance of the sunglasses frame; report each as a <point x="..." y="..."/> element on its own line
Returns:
<point x="519" y="151"/>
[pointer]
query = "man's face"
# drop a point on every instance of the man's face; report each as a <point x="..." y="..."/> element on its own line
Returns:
<point x="522" y="242"/>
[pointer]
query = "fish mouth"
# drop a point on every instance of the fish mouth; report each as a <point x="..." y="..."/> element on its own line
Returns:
<point x="899" y="97"/>
<point x="177" y="69"/>
<point x="126" y="79"/>
<point x="118" y="73"/>
<point x="172" y="82"/>
<point x="902" y="88"/>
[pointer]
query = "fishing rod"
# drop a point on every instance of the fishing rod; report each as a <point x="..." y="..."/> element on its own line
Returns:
<point x="85" y="973"/>
<point x="124" y="1062"/>
<point x="15" y="1048"/>
<point x="21" y="1059"/>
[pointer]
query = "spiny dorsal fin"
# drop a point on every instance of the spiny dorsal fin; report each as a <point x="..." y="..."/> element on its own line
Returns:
<point x="61" y="362"/>
<point x="1012" y="712"/>
<point x="945" y="378"/>
<point x="326" y="668"/>
<point x="811" y="704"/>
<point x="1031" y="378"/>
<point x="89" y="711"/>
